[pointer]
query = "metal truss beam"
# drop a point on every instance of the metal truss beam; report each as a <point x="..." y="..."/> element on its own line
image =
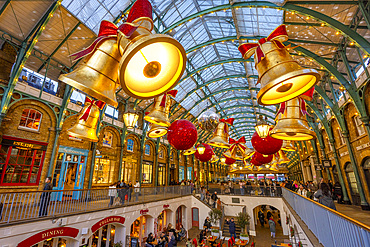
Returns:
<point x="22" y="56"/>
<point x="243" y="106"/>
<point x="4" y="7"/>
<point x="360" y="41"/>
<point x="313" y="24"/>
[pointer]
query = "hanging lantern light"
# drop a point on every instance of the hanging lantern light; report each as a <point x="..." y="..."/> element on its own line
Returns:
<point x="201" y="149"/>
<point x="262" y="127"/>
<point x="151" y="64"/>
<point x="293" y="124"/>
<point x="130" y="117"/>
<point x="190" y="151"/>
<point x="281" y="77"/>
<point x="267" y="166"/>
<point x="223" y="159"/>
<point x="207" y="153"/>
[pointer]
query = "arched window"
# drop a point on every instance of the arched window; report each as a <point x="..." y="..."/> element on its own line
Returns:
<point x="147" y="149"/>
<point x="30" y="119"/>
<point x="160" y="154"/>
<point x="108" y="139"/>
<point x="130" y="145"/>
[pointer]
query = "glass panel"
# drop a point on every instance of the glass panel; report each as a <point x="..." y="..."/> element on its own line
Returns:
<point x="103" y="172"/>
<point x="104" y="236"/>
<point x="147" y="172"/>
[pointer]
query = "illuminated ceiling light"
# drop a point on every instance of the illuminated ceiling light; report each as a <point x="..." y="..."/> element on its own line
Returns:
<point x="223" y="159"/>
<point x="201" y="148"/>
<point x="262" y="127"/>
<point x="130" y="118"/>
<point x="337" y="33"/>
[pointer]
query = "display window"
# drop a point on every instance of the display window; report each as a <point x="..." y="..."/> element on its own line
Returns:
<point x="147" y="149"/>
<point x="52" y="242"/>
<point x="147" y="171"/>
<point x="103" y="171"/>
<point x="138" y="231"/>
<point x="181" y="173"/>
<point x="130" y="145"/>
<point x="162" y="174"/>
<point x="107" y="139"/>
<point x="104" y="237"/>
<point x="30" y="120"/>
<point x="21" y="161"/>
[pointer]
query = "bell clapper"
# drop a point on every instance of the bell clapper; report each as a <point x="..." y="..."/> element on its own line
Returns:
<point x="284" y="87"/>
<point x="151" y="69"/>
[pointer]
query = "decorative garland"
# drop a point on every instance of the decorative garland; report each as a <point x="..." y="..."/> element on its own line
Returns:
<point x="300" y="244"/>
<point x="291" y="231"/>
<point x="287" y="220"/>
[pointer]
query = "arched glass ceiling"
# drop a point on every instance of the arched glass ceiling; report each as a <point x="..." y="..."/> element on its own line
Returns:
<point x="213" y="38"/>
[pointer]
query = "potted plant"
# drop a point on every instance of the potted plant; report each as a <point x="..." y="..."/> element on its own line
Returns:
<point x="243" y="220"/>
<point x="214" y="216"/>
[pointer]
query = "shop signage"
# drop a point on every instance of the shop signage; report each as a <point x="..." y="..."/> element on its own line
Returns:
<point x="144" y="211"/>
<point x="106" y="221"/>
<point x="78" y="151"/>
<point x="22" y="144"/>
<point x="344" y="154"/>
<point x="51" y="233"/>
<point x="166" y="206"/>
<point x="360" y="147"/>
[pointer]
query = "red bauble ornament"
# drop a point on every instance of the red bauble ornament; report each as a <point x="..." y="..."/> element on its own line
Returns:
<point x="207" y="155"/>
<point x="262" y="158"/>
<point x="182" y="134"/>
<point x="266" y="145"/>
<point x="254" y="162"/>
<point x="229" y="161"/>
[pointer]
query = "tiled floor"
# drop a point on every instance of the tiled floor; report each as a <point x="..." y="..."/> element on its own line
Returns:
<point x="354" y="212"/>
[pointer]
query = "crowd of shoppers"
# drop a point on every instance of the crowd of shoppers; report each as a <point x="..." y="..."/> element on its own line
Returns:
<point x="121" y="192"/>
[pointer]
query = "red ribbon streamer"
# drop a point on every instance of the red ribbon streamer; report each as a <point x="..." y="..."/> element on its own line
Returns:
<point x="308" y="95"/>
<point x="108" y="30"/>
<point x="302" y="105"/>
<point x="277" y="36"/>
<point x="173" y="93"/>
<point x="98" y="103"/>
<point x="229" y="121"/>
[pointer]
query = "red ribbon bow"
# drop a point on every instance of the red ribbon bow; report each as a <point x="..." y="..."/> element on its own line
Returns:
<point x="229" y="121"/>
<point x="98" y="103"/>
<point x="277" y="36"/>
<point x="108" y="30"/>
<point x="241" y="140"/>
<point x="302" y="105"/>
<point x="173" y="93"/>
<point x="308" y="95"/>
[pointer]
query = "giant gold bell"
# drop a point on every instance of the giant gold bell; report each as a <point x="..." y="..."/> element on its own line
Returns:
<point x="98" y="74"/>
<point x="282" y="157"/>
<point x="86" y="129"/>
<point x="156" y="131"/>
<point x="151" y="64"/>
<point x="281" y="77"/>
<point x="293" y="124"/>
<point x="158" y="114"/>
<point x="220" y="136"/>
<point x="287" y="146"/>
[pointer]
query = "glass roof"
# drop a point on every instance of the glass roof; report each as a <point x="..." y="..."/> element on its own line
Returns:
<point x="217" y="77"/>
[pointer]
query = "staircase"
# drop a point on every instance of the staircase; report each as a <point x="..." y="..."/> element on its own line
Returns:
<point x="225" y="228"/>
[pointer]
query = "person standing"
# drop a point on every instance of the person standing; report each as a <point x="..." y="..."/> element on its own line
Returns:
<point x="45" y="198"/>
<point x="241" y="185"/>
<point x="338" y="194"/>
<point x="324" y="196"/>
<point x="112" y="192"/>
<point x="302" y="191"/>
<point x="137" y="190"/>
<point x="129" y="191"/>
<point x="261" y="217"/>
<point x="214" y="198"/>
<point x="231" y="224"/>
<point x="272" y="226"/>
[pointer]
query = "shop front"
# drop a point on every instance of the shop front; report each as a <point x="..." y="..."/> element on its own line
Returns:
<point x="69" y="171"/>
<point x="189" y="173"/>
<point x="106" y="232"/>
<point x="161" y="174"/>
<point x="21" y="161"/>
<point x="181" y="173"/>
<point x="54" y="237"/>
<point x="147" y="172"/>
<point x="162" y="220"/>
<point x="141" y="228"/>
<point x="172" y="172"/>
<point x="104" y="170"/>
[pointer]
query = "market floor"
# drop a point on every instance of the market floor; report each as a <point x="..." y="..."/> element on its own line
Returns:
<point x="354" y="212"/>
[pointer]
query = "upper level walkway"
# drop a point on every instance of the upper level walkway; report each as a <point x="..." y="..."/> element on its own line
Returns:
<point x="25" y="212"/>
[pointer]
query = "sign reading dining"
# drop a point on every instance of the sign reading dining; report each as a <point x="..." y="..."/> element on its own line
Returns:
<point x="106" y="221"/>
<point x="51" y="233"/>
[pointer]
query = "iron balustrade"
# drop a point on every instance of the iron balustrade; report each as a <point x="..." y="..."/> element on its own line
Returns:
<point x="330" y="227"/>
<point x="249" y="190"/>
<point x="18" y="207"/>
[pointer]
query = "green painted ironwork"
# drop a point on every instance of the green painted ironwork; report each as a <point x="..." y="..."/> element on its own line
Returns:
<point x="4" y="6"/>
<point x="329" y="21"/>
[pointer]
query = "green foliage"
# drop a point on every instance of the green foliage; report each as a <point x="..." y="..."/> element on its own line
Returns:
<point x="244" y="235"/>
<point x="215" y="230"/>
<point x="215" y="215"/>
<point x="243" y="220"/>
<point x="118" y="244"/>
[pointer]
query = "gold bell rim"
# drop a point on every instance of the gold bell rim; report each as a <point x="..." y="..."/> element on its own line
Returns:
<point x="216" y="144"/>
<point x="137" y="46"/>
<point x="288" y="95"/>
<point x="300" y="136"/>
<point x="155" y="121"/>
<point x="154" y="133"/>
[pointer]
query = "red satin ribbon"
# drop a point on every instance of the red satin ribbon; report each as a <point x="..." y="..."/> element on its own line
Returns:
<point x="173" y="93"/>
<point x="108" y="30"/>
<point x="302" y="105"/>
<point x="229" y="121"/>
<point x="98" y="103"/>
<point x="241" y="140"/>
<point x="277" y="36"/>
<point x="308" y="95"/>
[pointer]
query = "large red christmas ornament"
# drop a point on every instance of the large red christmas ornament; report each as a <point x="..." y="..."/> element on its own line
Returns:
<point x="229" y="161"/>
<point x="262" y="158"/>
<point x="182" y="134"/>
<point x="254" y="162"/>
<point x="266" y="145"/>
<point x="207" y="155"/>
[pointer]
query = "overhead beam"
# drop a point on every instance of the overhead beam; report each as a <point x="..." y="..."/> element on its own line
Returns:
<point x="312" y="24"/>
<point x="329" y="21"/>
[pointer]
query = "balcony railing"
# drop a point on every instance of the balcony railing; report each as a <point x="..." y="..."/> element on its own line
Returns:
<point x="249" y="190"/>
<point x="30" y="205"/>
<point x="330" y="227"/>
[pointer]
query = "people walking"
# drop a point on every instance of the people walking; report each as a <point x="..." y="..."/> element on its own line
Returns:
<point x="137" y="190"/>
<point x="231" y="224"/>
<point x="272" y="224"/>
<point x="45" y="198"/>
<point x="261" y="217"/>
<point x="112" y="193"/>
<point x="214" y="198"/>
